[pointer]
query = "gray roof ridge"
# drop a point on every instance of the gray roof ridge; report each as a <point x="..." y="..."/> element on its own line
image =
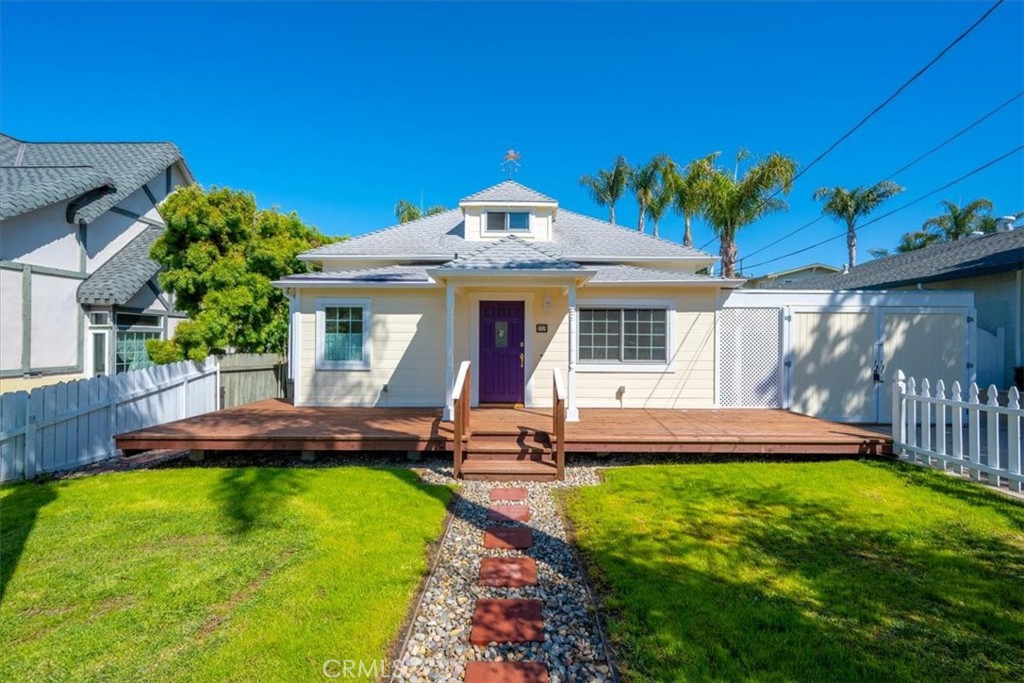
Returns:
<point x="89" y="142"/>
<point x="632" y="231"/>
<point x="507" y="181"/>
<point x="511" y="239"/>
<point x="388" y="228"/>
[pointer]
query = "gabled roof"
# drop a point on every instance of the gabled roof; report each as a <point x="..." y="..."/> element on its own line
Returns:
<point x="124" y="274"/>
<point x="509" y="253"/>
<point x="799" y="269"/>
<point x="122" y="166"/>
<point x="968" y="257"/>
<point x="440" y="237"/>
<point x="382" y="274"/>
<point x="508" y="191"/>
<point x="622" y="274"/>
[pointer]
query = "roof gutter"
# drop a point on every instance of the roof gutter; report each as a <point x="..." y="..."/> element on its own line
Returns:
<point x="83" y="200"/>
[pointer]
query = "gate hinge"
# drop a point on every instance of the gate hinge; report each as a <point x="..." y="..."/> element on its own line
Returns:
<point x="787" y="318"/>
<point x="788" y="363"/>
<point x="970" y="319"/>
<point x="970" y="365"/>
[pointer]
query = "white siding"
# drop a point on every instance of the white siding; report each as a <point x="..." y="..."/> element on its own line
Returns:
<point x="10" y="319"/>
<point x="407" y="352"/>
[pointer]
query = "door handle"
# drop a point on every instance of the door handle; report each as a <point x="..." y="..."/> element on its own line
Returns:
<point x="522" y="359"/>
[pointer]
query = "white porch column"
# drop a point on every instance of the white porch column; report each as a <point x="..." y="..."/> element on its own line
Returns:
<point x="449" y="351"/>
<point x="572" y="413"/>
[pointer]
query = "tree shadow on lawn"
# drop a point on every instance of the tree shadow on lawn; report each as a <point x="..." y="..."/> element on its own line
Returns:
<point x="252" y="496"/>
<point x="791" y="589"/>
<point x="19" y="512"/>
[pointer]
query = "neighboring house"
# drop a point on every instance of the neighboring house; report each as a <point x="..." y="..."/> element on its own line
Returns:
<point x="518" y="286"/>
<point x="991" y="266"/>
<point x="787" y="279"/>
<point x="78" y="292"/>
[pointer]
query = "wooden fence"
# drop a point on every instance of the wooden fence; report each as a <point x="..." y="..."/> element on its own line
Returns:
<point x="71" y="424"/>
<point x="973" y="436"/>
<point x="248" y="377"/>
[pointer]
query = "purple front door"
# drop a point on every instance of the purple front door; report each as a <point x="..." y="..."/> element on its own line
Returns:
<point x="501" y="351"/>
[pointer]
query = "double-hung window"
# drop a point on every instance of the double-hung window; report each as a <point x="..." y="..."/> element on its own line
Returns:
<point x="610" y="335"/>
<point x="343" y="334"/>
<point x="508" y="221"/>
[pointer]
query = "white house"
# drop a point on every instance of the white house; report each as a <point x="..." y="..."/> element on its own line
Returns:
<point x="78" y="292"/>
<point x="519" y="286"/>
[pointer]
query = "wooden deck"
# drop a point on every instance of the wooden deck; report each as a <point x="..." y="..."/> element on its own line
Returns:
<point x="278" y="425"/>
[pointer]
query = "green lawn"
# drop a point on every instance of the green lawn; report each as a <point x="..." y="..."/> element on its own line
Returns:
<point x="209" y="574"/>
<point x="843" y="571"/>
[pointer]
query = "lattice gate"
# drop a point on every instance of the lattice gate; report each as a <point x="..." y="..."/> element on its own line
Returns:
<point x="750" y="357"/>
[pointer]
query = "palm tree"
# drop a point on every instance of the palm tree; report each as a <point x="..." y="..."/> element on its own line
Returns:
<point x="607" y="187"/>
<point x="734" y="202"/>
<point x="664" y="194"/>
<point x="959" y="221"/>
<point x="852" y="205"/>
<point x="406" y="211"/>
<point x="643" y="180"/>
<point x="691" y="192"/>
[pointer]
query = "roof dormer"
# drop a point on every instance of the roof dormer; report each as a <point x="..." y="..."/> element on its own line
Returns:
<point x="508" y="208"/>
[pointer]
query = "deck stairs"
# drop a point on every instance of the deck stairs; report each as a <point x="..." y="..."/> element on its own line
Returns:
<point x="510" y="454"/>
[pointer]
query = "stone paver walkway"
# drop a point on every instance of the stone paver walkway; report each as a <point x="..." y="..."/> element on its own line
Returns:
<point x="506" y="600"/>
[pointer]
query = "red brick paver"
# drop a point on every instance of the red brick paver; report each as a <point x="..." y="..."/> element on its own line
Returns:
<point x="508" y="537"/>
<point x="508" y="513"/>
<point x="506" y="672"/>
<point x="506" y="621"/>
<point x="505" y="493"/>
<point x="508" y="572"/>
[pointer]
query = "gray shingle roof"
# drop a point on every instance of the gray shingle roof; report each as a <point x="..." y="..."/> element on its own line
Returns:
<point x="508" y="191"/>
<point x="632" y="274"/>
<point x="26" y="189"/>
<point x="509" y="253"/>
<point x="963" y="258"/>
<point x="127" y="271"/>
<point x="574" y="237"/>
<point x="127" y="165"/>
<point x="406" y="274"/>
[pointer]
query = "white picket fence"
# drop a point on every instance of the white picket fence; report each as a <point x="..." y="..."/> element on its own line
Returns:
<point x="71" y="424"/>
<point x="963" y="436"/>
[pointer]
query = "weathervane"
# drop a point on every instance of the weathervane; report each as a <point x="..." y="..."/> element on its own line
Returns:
<point x="511" y="163"/>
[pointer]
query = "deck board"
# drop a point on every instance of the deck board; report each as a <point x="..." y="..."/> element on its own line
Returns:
<point x="278" y="425"/>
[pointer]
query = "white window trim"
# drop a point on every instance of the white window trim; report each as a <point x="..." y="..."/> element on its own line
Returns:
<point x="669" y="305"/>
<point x="321" y="329"/>
<point x="508" y="231"/>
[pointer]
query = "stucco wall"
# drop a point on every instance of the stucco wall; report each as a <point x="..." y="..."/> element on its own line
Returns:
<point x="10" y="319"/>
<point x="41" y="238"/>
<point x="55" y="321"/>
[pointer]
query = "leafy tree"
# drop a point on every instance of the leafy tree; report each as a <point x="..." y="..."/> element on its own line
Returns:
<point x="734" y="202"/>
<point x="960" y="221"/>
<point x="406" y="211"/>
<point x="607" y="187"/>
<point x="852" y="205"/>
<point x="220" y="254"/>
<point x="644" y="182"/>
<point x="691" y="190"/>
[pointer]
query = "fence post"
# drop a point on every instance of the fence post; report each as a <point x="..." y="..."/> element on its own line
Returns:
<point x="1013" y="446"/>
<point x="993" y="434"/>
<point x="973" y="430"/>
<point x="911" y="418"/>
<point x="899" y="418"/>
<point x="926" y="420"/>
<point x="184" y="390"/>
<point x="32" y="409"/>
<point x="940" y="423"/>
<point x="957" y="415"/>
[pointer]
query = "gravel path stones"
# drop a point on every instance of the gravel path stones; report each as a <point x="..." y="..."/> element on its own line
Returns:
<point x="439" y="646"/>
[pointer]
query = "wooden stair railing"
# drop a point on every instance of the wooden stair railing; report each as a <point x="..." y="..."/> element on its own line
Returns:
<point x="558" y="423"/>
<point x="461" y="394"/>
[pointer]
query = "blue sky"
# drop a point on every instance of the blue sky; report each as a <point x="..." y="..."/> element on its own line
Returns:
<point x="336" y="110"/>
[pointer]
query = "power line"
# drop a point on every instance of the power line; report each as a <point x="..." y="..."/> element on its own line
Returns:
<point x="889" y="213"/>
<point x="892" y="175"/>
<point x="920" y="72"/>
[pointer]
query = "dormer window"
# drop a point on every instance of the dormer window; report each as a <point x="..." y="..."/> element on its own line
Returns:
<point x="508" y="221"/>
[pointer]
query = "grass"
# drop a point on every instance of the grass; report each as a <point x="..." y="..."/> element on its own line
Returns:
<point x="839" y="571"/>
<point x="209" y="574"/>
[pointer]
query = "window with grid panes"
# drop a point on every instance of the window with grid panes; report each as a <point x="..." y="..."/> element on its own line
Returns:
<point x="623" y="335"/>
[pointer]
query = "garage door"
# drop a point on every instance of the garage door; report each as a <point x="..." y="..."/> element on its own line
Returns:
<point x="833" y="357"/>
<point x="921" y="345"/>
